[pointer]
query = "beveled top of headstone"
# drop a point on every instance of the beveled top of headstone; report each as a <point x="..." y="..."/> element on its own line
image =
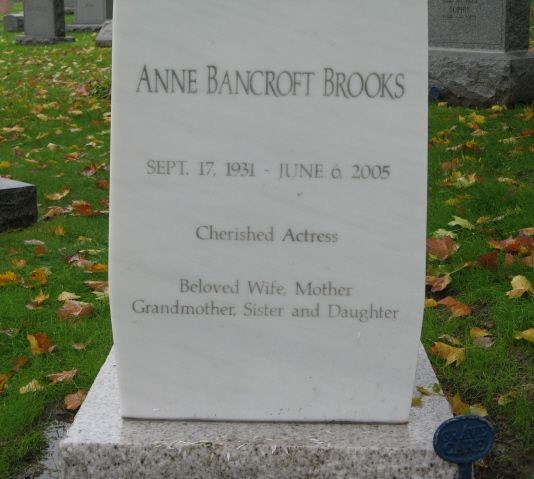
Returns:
<point x="7" y="184"/>
<point x="479" y="24"/>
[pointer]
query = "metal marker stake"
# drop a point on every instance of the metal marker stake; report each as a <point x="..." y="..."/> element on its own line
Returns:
<point x="464" y="440"/>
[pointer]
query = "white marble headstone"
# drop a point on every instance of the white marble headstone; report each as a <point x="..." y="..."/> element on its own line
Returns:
<point x="268" y="207"/>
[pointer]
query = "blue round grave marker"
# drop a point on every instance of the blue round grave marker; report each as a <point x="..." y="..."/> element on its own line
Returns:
<point x="464" y="440"/>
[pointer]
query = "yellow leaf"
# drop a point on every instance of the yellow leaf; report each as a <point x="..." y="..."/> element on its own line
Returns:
<point x="38" y="300"/>
<point x="59" y="230"/>
<point x="442" y="104"/>
<point x="527" y="335"/>
<point x="431" y="303"/>
<point x="451" y="354"/>
<point x="478" y="333"/>
<point x="507" y="398"/>
<point x="457" y="308"/>
<point x="8" y="277"/>
<point x="39" y="276"/>
<point x="58" y="196"/>
<point x="66" y="296"/>
<point x="457" y="221"/>
<point x="478" y="118"/>
<point x="498" y="108"/>
<point x="460" y="408"/>
<point x="521" y="286"/>
<point x="451" y="339"/>
<point x="4" y="165"/>
<point x="31" y="387"/>
<point x="39" y="344"/>
<point x="18" y="263"/>
<point x="4" y="378"/>
<point x="417" y="402"/>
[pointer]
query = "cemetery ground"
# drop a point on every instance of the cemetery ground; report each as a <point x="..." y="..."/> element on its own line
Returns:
<point x="54" y="320"/>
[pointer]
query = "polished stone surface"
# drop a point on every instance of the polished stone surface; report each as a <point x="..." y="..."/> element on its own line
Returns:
<point x="18" y="204"/>
<point x="100" y="444"/>
<point x="268" y="208"/>
<point x="489" y="24"/>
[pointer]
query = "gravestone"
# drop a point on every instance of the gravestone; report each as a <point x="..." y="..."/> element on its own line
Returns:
<point x="267" y="243"/>
<point x="69" y="6"/>
<point x="89" y="15"/>
<point x="18" y="204"/>
<point x="104" y="38"/>
<point x="44" y="22"/>
<point x="273" y="289"/>
<point x="14" y="22"/>
<point x="479" y="51"/>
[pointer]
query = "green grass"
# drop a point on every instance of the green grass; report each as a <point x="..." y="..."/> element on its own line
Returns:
<point x="487" y="373"/>
<point x="31" y="77"/>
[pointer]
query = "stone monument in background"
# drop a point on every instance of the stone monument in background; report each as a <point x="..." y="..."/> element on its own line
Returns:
<point x="18" y="204"/>
<point x="479" y="52"/>
<point x="44" y="22"/>
<point x="90" y="15"/>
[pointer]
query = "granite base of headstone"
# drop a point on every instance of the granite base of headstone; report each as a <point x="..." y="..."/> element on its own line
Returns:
<point x="44" y="23"/>
<point x="100" y="441"/>
<point x="18" y="204"/>
<point x="104" y="39"/>
<point x="478" y="52"/>
<point x="14" y="22"/>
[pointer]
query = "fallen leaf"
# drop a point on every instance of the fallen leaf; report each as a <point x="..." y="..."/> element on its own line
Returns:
<point x="521" y="286"/>
<point x="508" y="181"/>
<point x="4" y="378"/>
<point x="527" y="335"/>
<point x="73" y="401"/>
<point x="66" y="296"/>
<point x="457" y="308"/>
<point x="527" y="232"/>
<point x="102" y="184"/>
<point x="461" y="408"/>
<point x="102" y="286"/>
<point x="79" y="346"/>
<point x="59" y="230"/>
<point x="481" y="337"/>
<point x="431" y="303"/>
<point x="463" y="223"/>
<point x="450" y="354"/>
<point x="82" y="208"/>
<point x="38" y="300"/>
<point x="98" y="268"/>
<point x="507" y="398"/>
<point x="58" y="196"/>
<point x="8" y="277"/>
<point x="441" y="248"/>
<point x="451" y="340"/>
<point x="54" y="211"/>
<point x="62" y="377"/>
<point x="39" y="344"/>
<point x="438" y="283"/>
<point x="39" y="250"/>
<point x="18" y="263"/>
<point x="19" y="363"/>
<point x="442" y="233"/>
<point x="31" y="387"/>
<point x="426" y="392"/>
<point x="39" y="276"/>
<point x="74" y="310"/>
<point x="417" y="402"/>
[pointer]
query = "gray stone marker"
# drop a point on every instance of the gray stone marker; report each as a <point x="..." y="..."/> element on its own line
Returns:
<point x="14" y="22"/>
<point x="479" y="51"/>
<point x="18" y="204"/>
<point x="89" y="15"/>
<point x="104" y="38"/>
<point x="101" y="444"/>
<point x="44" y="22"/>
<point x="69" y="6"/>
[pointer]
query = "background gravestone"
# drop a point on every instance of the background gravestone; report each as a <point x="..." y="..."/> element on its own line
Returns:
<point x="479" y="51"/>
<point x="69" y="6"/>
<point x="14" y="22"/>
<point x="104" y="39"/>
<point x="44" y="22"/>
<point x="90" y="15"/>
<point x="18" y="204"/>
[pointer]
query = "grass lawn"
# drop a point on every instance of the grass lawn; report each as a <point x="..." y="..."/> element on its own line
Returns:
<point x="54" y="133"/>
